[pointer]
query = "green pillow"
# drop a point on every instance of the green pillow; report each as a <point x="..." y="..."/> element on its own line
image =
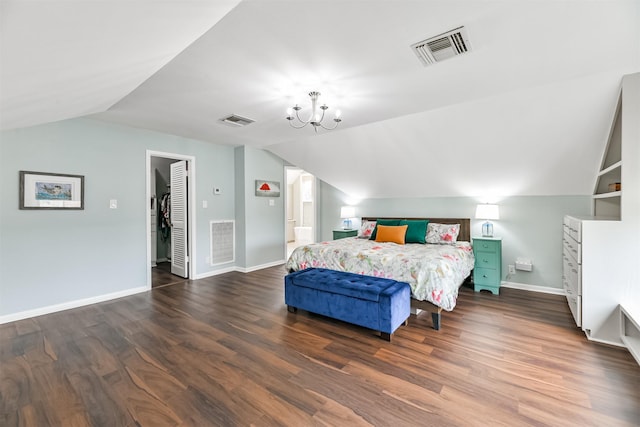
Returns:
<point x="392" y="222"/>
<point x="417" y="230"/>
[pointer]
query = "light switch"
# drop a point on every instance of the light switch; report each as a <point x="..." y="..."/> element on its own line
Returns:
<point x="205" y="204"/>
<point x="113" y="204"/>
<point x="272" y="202"/>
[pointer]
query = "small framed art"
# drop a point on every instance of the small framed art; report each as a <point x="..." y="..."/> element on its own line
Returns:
<point x="267" y="188"/>
<point x="40" y="190"/>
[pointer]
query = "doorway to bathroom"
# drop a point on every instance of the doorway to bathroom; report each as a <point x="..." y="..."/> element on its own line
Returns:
<point x="300" y="201"/>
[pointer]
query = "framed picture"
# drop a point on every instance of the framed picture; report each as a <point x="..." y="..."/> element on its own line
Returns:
<point x="40" y="190"/>
<point x="267" y="188"/>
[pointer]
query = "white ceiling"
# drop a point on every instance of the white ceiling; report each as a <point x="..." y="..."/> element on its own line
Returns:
<point x="537" y="89"/>
<point x="62" y="59"/>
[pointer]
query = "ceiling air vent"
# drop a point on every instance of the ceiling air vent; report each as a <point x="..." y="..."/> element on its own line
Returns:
<point x="442" y="46"/>
<point x="236" y="120"/>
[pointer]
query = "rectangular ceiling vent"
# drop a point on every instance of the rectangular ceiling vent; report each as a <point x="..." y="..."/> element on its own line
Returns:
<point x="236" y="120"/>
<point x="443" y="46"/>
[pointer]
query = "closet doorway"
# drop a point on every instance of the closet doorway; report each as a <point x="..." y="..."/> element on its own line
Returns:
<point x="300" y="201"/>
<point x="169" y="214"/>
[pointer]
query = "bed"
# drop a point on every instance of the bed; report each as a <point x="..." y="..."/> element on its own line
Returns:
<point x="433" y="271"/>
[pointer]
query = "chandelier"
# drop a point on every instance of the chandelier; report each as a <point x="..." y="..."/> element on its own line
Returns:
<point x="315" y="118"/>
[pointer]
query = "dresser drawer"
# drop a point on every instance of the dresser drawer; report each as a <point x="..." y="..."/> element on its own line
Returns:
<point x="575" y="305"/>
<point x="571" y="247"/>
<point x="487" y="246"/>
<point x="573" y="227"/>
<point x="571" y="274"/>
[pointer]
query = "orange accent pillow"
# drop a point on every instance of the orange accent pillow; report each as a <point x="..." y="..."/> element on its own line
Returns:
<point x="391" y="233"/>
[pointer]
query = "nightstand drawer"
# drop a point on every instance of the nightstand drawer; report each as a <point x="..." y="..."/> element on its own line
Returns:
<point x="341" y="234"/>
<point x="486" y="260"/>
<point x="486" y="276"/>
<point x="487" y="245"/>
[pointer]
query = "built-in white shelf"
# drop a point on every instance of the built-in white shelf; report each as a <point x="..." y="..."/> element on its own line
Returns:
<point x="630" y="331"/>
<point x="610" y="168"/>
<point x="607" y="195"/>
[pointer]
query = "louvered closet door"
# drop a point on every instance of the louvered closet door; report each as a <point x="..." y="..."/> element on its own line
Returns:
<point x="179" y="255"/>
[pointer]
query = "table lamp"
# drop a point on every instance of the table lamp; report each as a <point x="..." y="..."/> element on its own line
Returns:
<point x="346" y="213"/>
<point x="487" y="212"/>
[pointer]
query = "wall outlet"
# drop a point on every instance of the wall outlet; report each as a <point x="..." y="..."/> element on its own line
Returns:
<point x="512" y="269"/>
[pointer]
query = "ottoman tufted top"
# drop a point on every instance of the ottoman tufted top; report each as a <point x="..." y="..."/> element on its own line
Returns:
<point x="342" y="283"/>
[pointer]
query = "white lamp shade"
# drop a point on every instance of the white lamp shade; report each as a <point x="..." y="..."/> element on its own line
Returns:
<point x="347" y="212"/>
<point x="487" y="212"/>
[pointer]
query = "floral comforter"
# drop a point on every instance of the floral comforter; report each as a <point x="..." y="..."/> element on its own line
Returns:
<point x="434" y="272"/>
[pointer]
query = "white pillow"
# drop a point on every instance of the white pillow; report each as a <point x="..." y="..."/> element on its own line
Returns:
<point x="442" y="234"/>
<point x="366" y="229"/>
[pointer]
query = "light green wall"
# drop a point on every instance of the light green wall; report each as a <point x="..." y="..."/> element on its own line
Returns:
<point x="531" y="226"/>
<point x="263" y="238"/>
<point x="241" y="228"/>
<point x="54" y="257"/>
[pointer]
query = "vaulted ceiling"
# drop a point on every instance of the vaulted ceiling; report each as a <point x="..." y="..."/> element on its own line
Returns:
<point x="526" y="111"/>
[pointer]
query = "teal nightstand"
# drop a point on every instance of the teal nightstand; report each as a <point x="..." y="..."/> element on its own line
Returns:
<point x="488" y="267"/>
<point x="341" y="234"/>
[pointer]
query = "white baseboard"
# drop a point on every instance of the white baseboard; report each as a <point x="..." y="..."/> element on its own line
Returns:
<point x="533" y="288"/>
<point x="260" y="267"/>
<point x="239" y="269"/>
<point x="69" y="305"/>
<point x="216" y="272"/>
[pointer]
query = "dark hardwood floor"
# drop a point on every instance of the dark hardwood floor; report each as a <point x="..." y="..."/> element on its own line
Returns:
<point x="224" y="351"/>
<point x="161" y="275"/>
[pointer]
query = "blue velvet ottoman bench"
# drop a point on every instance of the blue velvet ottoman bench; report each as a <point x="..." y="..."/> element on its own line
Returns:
<point x="373" y="302"/>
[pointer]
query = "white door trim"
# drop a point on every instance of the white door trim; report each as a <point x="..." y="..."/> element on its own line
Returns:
<point x="191" y="214"/>
<point x="316" y="208"/>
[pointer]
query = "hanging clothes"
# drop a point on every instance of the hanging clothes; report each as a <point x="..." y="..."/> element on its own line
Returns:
<point x="164" y="216"/>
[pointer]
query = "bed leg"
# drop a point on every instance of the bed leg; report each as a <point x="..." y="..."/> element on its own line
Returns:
<point x="292" y="309"/>
<point x="435" y="317"/>
<point x="385" y="336"/>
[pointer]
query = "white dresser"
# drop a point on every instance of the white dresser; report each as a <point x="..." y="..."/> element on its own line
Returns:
<point x="572" y="265"/>
<point x="600" y="252"/>
<point x="594" y="261"/>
